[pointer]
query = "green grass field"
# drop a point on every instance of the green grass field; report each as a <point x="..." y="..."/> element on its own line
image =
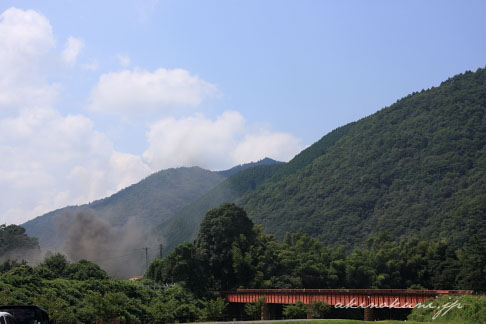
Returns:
<point x="346" y="322"/>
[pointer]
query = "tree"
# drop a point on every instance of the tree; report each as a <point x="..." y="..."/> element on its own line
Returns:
<point x="221" y="229"/>
<point x="13" y="239"/>
<point x="56" y="264"/>
<point x="181" y="266"/>
<point x="213" y="309"/>
<point x="84" y="270"/>
<point x="472" y="257"/>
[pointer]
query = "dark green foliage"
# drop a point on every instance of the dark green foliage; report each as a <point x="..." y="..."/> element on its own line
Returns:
<point x="57" y="266"/>
<point x="320" y="310"/>
<point x="312" y="152"/>
<point x="183" y="266"/>
<point x="223" y="230"/>
<point x="213" y="309"/>
<point x="254" y="310"/>
<point x="229" y="254"/>
<point x="80" y="293"/>
<point x="184" y="225"/>
<point x="298" y="310"/>
<point x="450" y="309"/>
<point x="14" y="243"/>
<point x="174" y="305"/>
<point x="473" y="264"/>
<point x="241" y="167"/>
<point x="84" y="270"/>
<point x="414" y="169"/>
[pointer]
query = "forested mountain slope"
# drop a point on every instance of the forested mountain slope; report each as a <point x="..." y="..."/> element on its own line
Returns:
<point x="183" y="226"/>
<point x="416" y="168"/>
<point x="148" y="202"/>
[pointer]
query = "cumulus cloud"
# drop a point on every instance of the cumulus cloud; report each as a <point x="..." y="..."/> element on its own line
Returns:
<point x="134" y="91"/>
<point x="50" y="161"/>
<point x="214" y="144"/>
<point x="26" y="40"/>
<point x="71" y="50"/>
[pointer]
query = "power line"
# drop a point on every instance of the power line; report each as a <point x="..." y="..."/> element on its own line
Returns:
<point x="26" y="257"/>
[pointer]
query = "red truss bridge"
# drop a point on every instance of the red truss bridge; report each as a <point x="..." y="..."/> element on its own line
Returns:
<point x="344" y="298"/>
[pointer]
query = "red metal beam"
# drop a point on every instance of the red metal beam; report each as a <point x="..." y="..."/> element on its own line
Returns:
<point x="393" y="298"/>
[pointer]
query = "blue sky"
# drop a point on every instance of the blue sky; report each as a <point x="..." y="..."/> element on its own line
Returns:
<point x="96" y="95"/>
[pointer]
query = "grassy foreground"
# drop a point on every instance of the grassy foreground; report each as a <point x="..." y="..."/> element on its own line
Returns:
<point x="336" y="321"/>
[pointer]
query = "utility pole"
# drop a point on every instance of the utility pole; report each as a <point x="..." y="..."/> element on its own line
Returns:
<point x="161" y="246"/>
<point x="146" y="259"/>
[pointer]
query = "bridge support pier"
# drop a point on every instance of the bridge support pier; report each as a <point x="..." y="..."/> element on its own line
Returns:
<point x="369" y="314"/>
<point x="268" y="312"/>
<point x="309" y="312"/>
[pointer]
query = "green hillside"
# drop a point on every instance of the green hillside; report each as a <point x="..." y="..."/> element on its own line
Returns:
<point x="416" y="168"/>
<point x="183" y="226"/>
<point x="149" y="202"/>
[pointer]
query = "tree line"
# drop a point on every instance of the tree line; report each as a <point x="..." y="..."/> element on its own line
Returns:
<point x="231" y="252"/>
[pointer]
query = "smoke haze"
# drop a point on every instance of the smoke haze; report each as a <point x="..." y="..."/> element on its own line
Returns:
<point x="118" y="250"/>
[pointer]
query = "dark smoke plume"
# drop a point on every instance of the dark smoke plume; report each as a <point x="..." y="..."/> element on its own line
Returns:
<point x="118" y="250"/>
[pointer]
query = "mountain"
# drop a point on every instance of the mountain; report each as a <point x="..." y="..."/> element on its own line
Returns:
<point x="184" y="225"/>
<point x="414" y="169"/>
<point x="148" y="202"/>
<point x="241" y="167"/>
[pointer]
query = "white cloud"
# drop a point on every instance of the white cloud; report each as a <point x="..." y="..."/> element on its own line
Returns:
<point x="214" y="144"/>
<point x="124" y="60"/>
<point x="130" y="92"/>
<point x="50" y="161"/>
<point x="26" y="40"/>
<point x="71" y="50"/>
<point x="279" y="146"/>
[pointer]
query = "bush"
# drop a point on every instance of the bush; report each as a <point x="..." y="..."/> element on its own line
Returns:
<point x="320" y="309"/>
<point x="450" y="309"/>
<point x="298" y="310"/>
<point x="254" y="310"/>
<point x="213" y="309"/>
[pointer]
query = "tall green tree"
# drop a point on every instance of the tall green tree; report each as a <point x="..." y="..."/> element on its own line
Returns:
<point x="221" y="230"/>
<point x="14" y="239"/>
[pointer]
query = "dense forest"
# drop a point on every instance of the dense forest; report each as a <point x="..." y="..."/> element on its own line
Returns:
<point x="231" y="252"/>
<point x="184" y="225"/>
<point x="414" y="169"/>
<point x="82" y="293"/>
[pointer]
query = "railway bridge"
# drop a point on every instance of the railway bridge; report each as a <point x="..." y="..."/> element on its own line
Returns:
<point x="367" y="299"/>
